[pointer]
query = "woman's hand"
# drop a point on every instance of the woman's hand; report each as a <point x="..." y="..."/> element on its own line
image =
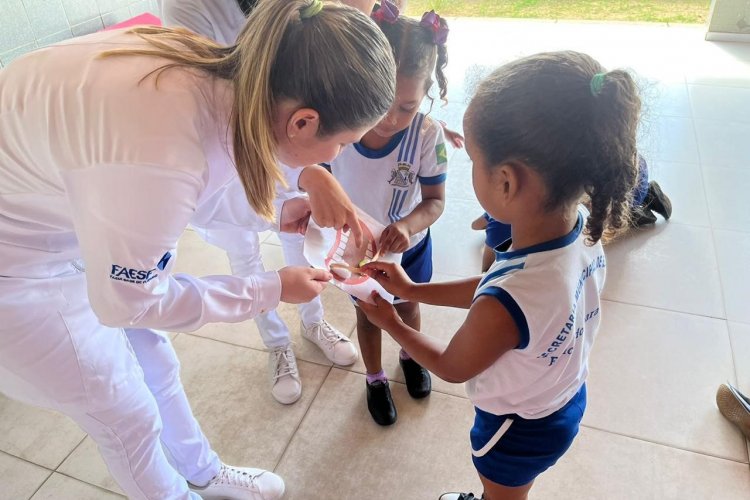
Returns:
<point x="295" y="214"/>
<point x="395" y="238"/>
<point x="302" y="284"/>
<point x="331" y="207"/>
<point x="381" y="314"/>
<point x="392" y="277"/>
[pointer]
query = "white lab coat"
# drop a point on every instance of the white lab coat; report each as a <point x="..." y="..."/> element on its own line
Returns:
<point x="101" y="168"/>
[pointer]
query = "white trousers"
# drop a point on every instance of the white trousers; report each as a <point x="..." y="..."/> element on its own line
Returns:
<point x="120" y="386"/>
<point x="247" y="261"/>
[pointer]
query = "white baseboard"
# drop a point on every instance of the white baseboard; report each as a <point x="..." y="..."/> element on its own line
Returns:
<point x="716" y="36"/>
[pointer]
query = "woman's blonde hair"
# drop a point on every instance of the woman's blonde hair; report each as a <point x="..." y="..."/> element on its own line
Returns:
<point x="336" y="62"/>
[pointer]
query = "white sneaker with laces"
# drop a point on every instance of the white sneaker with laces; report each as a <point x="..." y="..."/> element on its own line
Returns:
<point x="241" y="483"/>
<point x="286" y="386"/>
<point x="335" y="345"/>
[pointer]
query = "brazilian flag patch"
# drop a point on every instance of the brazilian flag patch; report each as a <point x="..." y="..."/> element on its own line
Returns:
<point x="441" y="154"/>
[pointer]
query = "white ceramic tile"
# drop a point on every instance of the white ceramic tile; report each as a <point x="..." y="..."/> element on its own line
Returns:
<point x="456" y="248"/>
<point x="18" y="478"/>
<point x="86" y="464"/>
<point x="59" y="487"/>
<point x="229" y="391"/>
<point x="668" y="266"/>
<point x="644" y="364"/>
<point x="667" y="138"/>
<point x="683" y="183"/>
<point x="728" y="203"/>
<point x="733" y="252"/>
<point x="664" y="98"/>
<point x="723" y="144"/>
<point x="601" y="465"/>
<point x="39" y="436"/>
<point x="339" y="452"/>
<point x="459" y="184"/>
<point x="727" y="104"/>
<point x="740" y="335"/>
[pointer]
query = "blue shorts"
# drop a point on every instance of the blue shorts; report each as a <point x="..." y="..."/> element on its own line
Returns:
<point x="496" y="232"/>
<point x="513" y="451"/>
<point x="417" y="261"/>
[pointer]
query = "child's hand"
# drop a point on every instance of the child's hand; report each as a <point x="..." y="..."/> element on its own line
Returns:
<point x="302" y="284"/>
<point x="295" y="214"/>
<point x="454" y="138"/>
<point x="381" y="314"/>
<point x="395" y="238"/>
<point x="391" y="276"/>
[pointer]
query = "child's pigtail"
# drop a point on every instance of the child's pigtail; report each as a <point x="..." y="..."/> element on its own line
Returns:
<point x="440" y="64"/>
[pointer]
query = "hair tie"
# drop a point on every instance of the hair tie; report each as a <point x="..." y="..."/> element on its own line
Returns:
<point x="431" y="21"/>
<point x="311" y="10"/>
<point x="597" y="83"/>
<point x="387" y="12"/>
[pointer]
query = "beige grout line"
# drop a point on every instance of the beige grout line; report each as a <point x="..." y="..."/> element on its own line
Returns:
<point x="663" y="445"/>
<point x="301" y="420"/>
<point x="664" y="309"/>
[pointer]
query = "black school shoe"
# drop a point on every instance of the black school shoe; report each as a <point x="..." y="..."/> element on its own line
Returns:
<point x="380" y="403"/>
<point x="657" y="201"/>
<point x="418" y="381"/>
<point x="641" y="216"/>
<point x="459" y="496"/>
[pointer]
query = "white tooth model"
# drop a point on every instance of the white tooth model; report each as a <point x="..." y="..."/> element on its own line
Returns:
<point x="336" y="251"/>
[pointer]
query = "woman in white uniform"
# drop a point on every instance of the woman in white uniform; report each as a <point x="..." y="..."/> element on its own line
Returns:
<point x="110" y="145"/>
<point x="223" y="20"/>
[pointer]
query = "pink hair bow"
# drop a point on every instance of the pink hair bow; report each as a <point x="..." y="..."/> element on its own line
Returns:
<point x="387" y="12"/>
<point x="431" y="21"/>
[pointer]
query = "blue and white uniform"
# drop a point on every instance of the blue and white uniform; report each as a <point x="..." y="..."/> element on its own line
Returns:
<point x="529" y="403"/>
<point x="386" y="183"/>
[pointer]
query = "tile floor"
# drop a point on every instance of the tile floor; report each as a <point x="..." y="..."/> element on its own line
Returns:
<point x="676" y="321"/>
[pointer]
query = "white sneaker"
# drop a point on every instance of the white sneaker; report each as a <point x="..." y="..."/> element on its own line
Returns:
<point x="286" y="386"/>
<point x="241" y="483"/>
<point x="336" y="346"/>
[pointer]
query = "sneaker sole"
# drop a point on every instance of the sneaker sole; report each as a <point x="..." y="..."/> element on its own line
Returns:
<point x="733" y="410"/>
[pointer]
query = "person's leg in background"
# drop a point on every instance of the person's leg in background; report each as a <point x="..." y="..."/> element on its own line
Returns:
<point x="335" y="345"/>
<point x="286" y="385"/>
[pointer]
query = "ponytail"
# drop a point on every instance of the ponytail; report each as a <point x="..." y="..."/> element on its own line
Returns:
<point x="281" y="55"/>
<point x="614" y="174"/>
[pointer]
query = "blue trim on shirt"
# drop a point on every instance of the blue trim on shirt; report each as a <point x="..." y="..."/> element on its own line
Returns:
<point x="376" y="154"/>
<point x="500" y="272"/>
<point x="515" y="312"/>
<point x="418" y="120"/>
<point x="560" y="242"/>
<point x="434" y="180"/>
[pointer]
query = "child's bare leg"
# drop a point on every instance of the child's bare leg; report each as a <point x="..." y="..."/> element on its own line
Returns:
<point x="379" y="400"/>
<point x="488" y="257"/>
<point x="418" y="381"/>
<point x="370" y="341"/>
<point x="409" y="312"/>
<point x="494" y="491"/>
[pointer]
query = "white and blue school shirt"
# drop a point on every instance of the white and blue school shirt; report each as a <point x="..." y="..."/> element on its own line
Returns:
<point x="552" y="291"/>
<point x="386" y="183"/>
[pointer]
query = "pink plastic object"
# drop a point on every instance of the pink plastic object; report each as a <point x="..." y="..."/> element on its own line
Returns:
<point x="145" y="18"/>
